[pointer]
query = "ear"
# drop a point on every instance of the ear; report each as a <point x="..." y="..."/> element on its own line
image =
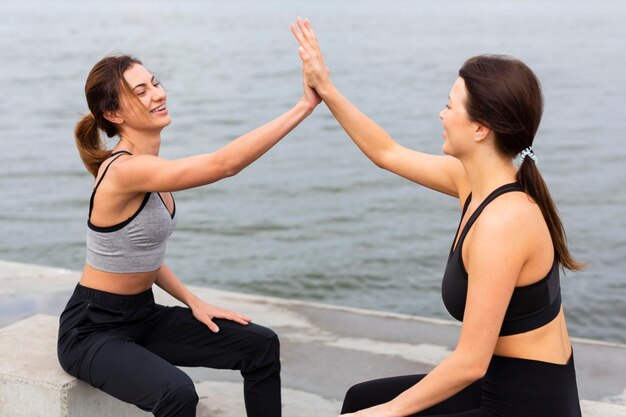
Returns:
<point x="481" y="132"/>
<point x="113" y="117"/>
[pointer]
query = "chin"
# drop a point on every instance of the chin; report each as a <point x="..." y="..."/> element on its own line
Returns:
<point x="165" y="123"/>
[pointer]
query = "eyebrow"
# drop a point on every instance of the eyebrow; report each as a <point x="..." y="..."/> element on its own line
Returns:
<point x="143" y="84"/>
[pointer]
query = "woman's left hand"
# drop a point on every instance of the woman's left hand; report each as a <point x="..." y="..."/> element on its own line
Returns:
<point x="309" y="97"/>
<point x="380" y="410"/>
<point x="205" y="313"/>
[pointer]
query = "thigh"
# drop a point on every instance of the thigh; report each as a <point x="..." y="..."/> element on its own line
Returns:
<point x="135" y="375"/>
<point x="465" y="403"/>
<point x="181" y="339"/>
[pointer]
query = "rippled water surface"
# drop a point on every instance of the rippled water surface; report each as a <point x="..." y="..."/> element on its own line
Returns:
<point x="314" y="219"/>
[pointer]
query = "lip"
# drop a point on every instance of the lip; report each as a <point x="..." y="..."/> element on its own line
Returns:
<point x="162" y="111"/>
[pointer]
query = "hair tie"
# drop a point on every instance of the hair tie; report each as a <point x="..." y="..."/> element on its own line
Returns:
<point x="528" y="152"/>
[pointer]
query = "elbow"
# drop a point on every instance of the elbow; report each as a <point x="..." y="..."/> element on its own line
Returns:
<point x="379" y="163"/>
<point x="230" y="168"/>
<point x="473" y="368"/>
<point x="384" y="158"/>
<point x="477" y="371"/>
<point x="230" y="171"/>
<point x="381" y="160"/>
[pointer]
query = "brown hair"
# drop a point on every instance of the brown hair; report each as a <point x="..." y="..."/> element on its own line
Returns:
<point x="505" y="95"/>
<point x="102" y="90"/>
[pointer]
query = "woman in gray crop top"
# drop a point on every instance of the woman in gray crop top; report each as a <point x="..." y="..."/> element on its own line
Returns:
<point x="514" y="357"/>
<point x="112" y="334"/>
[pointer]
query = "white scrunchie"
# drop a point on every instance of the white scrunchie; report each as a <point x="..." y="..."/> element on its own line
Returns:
<point x="528" y="152"/>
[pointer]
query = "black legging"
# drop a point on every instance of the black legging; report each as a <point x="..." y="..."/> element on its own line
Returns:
<point x="511" y="388"/>
<point x="128" y="346"/>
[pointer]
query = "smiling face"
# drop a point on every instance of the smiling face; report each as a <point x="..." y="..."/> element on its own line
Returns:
<point x="143" y="104"/>
<point x="458" y="130"/>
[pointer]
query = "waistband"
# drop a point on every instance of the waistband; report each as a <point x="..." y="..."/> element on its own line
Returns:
<point x="108" y="299"/>
<point x="533" y="362"/>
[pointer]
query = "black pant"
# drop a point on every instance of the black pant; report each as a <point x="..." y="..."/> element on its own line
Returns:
<point x="511" y="388"/>
<point x="128" y="346"/>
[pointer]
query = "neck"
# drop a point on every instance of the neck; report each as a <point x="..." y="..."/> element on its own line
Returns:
<point x="488" y="171"/>
<point x="140" y="143"/>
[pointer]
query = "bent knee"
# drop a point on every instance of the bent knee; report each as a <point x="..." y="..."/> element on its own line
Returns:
<point x="356" y="397"/>
<point x="182" y="399"/>
<point x="265" y="354"/>
<point x="269" y="341"/>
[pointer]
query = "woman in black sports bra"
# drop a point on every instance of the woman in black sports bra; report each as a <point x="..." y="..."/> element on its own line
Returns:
<point x="112" y="334"/>
<point x="514" y="357"/>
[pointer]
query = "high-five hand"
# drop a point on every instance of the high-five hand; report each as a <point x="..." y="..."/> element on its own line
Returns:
<point x="314" y="70"/>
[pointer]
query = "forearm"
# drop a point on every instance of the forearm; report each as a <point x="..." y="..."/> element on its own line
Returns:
<point x="246" y="149"/>
<point x="448" y="378"/>
<point x="368" y="136"/>
<point x="172" y="285"/>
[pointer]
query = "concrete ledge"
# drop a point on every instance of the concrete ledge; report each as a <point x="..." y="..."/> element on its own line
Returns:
<point x="324" y="350"/>
<point x="32" y="384"/>
<point x="597" y="409"/>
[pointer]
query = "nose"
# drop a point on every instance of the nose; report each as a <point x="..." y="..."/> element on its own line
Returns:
<point x="442" y="112"/>
<point x="159" y="94"/>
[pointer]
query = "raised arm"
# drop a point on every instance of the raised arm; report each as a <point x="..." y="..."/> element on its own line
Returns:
<point x="143" y="173"/>
<point x="441" y="173"/>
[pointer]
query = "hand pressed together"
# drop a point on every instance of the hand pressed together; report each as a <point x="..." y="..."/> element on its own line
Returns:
<point x="315" y="72"/>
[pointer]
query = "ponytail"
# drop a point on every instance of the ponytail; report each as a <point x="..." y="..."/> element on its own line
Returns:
<point x="90" y="147"/>
<point x="532" y="183"/>
<point x="104" y="85"/>
<point x="505" y="95"/>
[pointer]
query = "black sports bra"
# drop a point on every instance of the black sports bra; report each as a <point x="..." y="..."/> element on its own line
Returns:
<point x="531" y="306"/>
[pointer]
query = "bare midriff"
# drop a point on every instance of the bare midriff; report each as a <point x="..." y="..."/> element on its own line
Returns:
<point x="124" y="284"/>
<point x="549" y="343"/>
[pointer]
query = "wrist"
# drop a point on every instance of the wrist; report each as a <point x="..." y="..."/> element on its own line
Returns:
<point x="191" y="300"/>
<point x="304" y="107"/>
<point x="324" y="88"/>
<point x="393" y="409"/>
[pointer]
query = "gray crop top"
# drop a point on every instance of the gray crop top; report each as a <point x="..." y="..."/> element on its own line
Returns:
<point x="136" y="244"/>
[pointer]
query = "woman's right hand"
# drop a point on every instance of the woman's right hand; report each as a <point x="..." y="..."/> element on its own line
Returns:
<point x="313" y="67"/>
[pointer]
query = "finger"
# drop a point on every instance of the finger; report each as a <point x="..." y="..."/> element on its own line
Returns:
<point x="240" y="320"/>
<point x="305" y="33"/>
<point x="212" y="326"/>
<point x="310" y="34"/>
<point x="302" y="52"/>
<point x="301" y="40"/>
<point x="233" y="316"/>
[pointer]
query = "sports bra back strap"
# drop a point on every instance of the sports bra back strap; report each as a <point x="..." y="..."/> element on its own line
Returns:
<point x="507" y="188"/>
<point x="93" y="193"/>
<point x="118" y="153"/>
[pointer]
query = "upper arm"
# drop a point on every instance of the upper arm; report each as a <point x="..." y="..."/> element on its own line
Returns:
<point x="494" y="261"/>
<point x="149" y="173"/>
<point x="438" y="172"/>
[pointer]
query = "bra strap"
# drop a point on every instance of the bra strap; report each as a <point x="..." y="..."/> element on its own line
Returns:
<point x="93" y="193"/>
<point x="507" y="188"/>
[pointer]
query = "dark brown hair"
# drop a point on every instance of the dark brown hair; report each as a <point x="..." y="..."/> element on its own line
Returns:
<point x="104" y="85"/>
<point x="505" y="95"/>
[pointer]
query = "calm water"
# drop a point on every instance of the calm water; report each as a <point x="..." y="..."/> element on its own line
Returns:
<point x="314" y="219"/>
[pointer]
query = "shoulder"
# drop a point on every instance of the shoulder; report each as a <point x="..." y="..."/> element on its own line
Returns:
<point x="128" y="166"/>
<point x="510" y="226"/>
